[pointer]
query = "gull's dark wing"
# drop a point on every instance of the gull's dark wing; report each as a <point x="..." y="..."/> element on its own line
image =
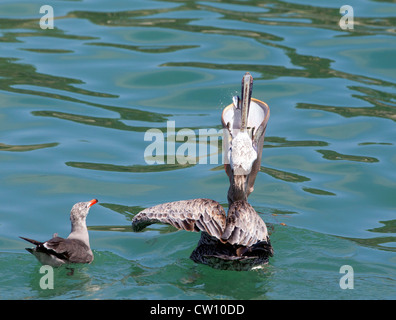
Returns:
<point x="191" y="215"/>
<point x="72" y="250"/>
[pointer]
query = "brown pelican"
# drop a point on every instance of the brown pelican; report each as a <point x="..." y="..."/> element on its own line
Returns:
<point x="74" y="249"/>
<point x="238" y="240"/>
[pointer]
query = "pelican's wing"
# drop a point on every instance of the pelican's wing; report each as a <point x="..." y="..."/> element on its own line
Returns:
<point x="191" y="215"/>
<point x="244" y="226"/>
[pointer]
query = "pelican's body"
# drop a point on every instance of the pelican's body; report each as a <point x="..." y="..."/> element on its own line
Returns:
<point x="238" y="240"/>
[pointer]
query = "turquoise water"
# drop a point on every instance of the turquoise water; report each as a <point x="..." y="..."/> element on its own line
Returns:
<point x="77" y="100"/>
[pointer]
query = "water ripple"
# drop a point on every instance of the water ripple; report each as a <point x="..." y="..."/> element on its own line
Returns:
<point x="89" y="89"/>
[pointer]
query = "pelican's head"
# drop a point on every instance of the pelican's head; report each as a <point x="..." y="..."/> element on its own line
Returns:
<point x="244" y="123"/>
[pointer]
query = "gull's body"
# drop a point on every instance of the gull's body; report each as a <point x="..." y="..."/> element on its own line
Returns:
<point x="73" y="249"/>
<point x="238" y="240"/>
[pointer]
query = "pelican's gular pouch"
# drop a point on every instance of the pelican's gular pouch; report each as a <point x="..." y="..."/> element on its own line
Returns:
<point x="244" y="123"/>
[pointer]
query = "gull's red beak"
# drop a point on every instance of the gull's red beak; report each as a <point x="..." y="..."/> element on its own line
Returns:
<point x="92" y="202"/>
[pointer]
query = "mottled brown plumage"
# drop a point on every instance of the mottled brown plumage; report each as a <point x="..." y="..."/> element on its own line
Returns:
<point x="190" y="215"/>
<point x="243" y="226"/>
<point x="238" y="240"/>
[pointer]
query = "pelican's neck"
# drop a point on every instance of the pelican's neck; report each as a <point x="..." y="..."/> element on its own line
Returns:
<point x="237" y="190"/>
